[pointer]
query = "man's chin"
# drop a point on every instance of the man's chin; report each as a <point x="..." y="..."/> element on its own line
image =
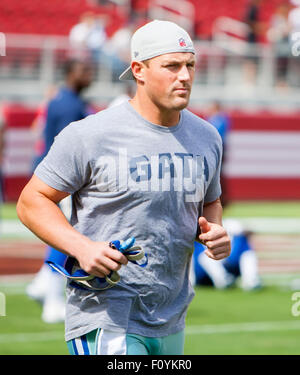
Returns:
<point x="179" y="105"/>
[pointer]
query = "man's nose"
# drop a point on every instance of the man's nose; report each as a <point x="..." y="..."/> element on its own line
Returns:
<point x="184" y="74"/>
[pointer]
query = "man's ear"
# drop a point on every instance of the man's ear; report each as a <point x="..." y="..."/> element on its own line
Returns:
<point x="138" y="69"/>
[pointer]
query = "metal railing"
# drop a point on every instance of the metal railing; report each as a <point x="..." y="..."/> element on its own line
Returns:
<point x="226" y="70"/>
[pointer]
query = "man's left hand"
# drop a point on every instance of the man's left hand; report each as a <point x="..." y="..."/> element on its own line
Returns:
<point x="215" y="238"/>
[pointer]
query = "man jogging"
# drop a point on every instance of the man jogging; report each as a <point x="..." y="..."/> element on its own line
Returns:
<point x="147" y="169"/>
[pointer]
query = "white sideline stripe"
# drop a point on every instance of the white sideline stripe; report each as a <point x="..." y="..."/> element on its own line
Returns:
<point x="243" y="327"/>
<point x="257" y="224"/>
<point x="15" y="228"/>
<point x="31" y="336"/>
<point x="271" y="225"/>
<point x="190" y="330"/>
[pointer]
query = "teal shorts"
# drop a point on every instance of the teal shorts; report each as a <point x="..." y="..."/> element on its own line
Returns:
<point x="106" y="342"/>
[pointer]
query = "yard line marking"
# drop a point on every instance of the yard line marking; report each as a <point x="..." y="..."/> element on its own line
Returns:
<point x="276" y="225"/>
<point x="15" y="228"/>
<point x="243" y="327"/>
<point x="190" y="330"/>
<point x="31" y="336"/>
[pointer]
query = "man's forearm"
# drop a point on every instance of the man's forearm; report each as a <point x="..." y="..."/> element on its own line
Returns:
<point x="37" y="208"/>
<point x="213" y="212"/>
<point x="45" y="219"/>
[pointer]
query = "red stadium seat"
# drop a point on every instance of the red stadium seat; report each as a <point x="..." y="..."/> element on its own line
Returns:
<point x="56" y="17"/>
<point x="53" y="17"/>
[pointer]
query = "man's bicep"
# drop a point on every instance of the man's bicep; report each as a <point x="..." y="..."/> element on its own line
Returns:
<point x="37" y="186"/>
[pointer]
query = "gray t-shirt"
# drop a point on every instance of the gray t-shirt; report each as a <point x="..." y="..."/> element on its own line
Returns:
<point x="131" y="178"/>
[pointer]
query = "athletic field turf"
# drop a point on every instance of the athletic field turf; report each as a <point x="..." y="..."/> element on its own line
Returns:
<point x="265" y="321"/>
<point x="219" y="322"/>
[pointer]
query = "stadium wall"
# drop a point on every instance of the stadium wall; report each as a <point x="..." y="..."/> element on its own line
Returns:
<point x="262" y="160"/>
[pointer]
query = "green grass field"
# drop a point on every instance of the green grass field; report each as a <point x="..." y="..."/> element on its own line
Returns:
<point x="289" y="209"/>
<point x="218" y="322"/>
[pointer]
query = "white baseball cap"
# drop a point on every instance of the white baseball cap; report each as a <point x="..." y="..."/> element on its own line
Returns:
<point x="157" y="38"/>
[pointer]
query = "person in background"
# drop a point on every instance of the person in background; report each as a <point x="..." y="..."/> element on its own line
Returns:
<point x="79" y="33"/>
<point x="252" y="19"/>
<point x="242" y="263"/>
<point x="218" y="117"/>
<point x="117" y="47"/>
<point x="96" y="38"/>
<point x="89" y="34"/>
<point x="256" y="27"/>
<point x="2" y="130"/>
<point x="38" y="126"/>
<point x="294" y="16"/>
<point x="294" y="39"/>
<point x="65" y="107"/>
<point x="278" y="36"/>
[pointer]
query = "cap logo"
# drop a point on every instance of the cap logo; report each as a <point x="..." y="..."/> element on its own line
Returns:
<point x="182" y="42"/>
<point x="136" y="54"/>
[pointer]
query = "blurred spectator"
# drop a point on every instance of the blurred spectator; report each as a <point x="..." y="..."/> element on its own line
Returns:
<point x="98" y="2"/>
<point x="79" y="32"/>
<point x="89" y="34"/>
<point x="97" y="37"/>
<point x="278" y="35"/>
<point x="38" y="127"/>
<point x="2" y="131"/>
<point x="218" y="117"/>
<point x="119" y="43"/>
<point x="294" y="25"/>
<point x="117" y="48"/>
<point x="67" y="106"/>
<point x="294" y="16"/>
<point x="242" y="262"/>
<point x="252" y="19"/>
<point x="220" y="120"/>
<point x="106" y="2"/>
<point x="89" y="38"/>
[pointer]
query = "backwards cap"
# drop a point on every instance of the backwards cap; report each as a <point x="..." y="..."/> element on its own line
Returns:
<point x="157" y="38"/>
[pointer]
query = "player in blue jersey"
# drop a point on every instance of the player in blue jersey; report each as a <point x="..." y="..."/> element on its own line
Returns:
<point x="65" y="107"/>
<point x="218" y="117"/>
<point x="241" y="266"/>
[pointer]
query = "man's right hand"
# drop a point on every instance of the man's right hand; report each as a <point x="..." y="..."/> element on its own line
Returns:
<point x="99" y="259"/>
<point x="38" y="209"/>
